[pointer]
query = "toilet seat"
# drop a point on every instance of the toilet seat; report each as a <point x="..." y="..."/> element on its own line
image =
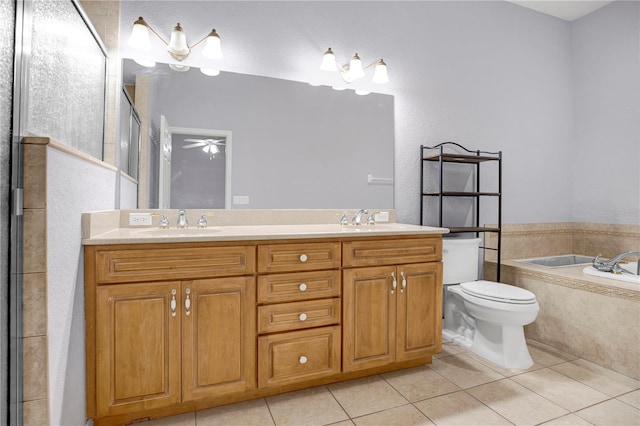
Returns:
<point x="498" y="292"/>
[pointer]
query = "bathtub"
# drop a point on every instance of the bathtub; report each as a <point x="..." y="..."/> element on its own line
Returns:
<point x="577" y="259"/>
<point x="559" y="261"/>
<point x="582" y="313"/>
<point x="630" y="267"/>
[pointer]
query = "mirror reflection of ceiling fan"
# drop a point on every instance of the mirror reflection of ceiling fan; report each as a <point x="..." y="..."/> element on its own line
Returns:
<point x="208" y="145"/>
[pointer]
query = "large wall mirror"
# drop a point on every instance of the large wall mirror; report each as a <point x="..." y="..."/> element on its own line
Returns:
<point x="294" y="145"/>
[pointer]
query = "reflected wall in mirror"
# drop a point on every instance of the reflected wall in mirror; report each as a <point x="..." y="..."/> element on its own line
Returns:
<point x="294" y="145"/>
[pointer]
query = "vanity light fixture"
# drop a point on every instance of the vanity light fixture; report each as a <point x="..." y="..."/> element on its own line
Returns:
<point x="177" y="46"/>
<point x="354" y="70"/>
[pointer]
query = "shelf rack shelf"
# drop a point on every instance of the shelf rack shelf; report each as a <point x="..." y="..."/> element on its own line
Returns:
<point x="451" y="152"/>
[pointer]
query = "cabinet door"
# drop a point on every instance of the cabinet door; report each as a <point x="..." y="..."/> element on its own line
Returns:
<point x="219" y="343"/>
<point x="369" y="316"/>
<point x="137" y="347"/>
<point x="419" y="321"/>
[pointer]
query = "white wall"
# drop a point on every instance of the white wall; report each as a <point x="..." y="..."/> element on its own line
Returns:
<point x="489" y="75"/>
<point x="74" y="186"/>
<point x="606" y="91"/>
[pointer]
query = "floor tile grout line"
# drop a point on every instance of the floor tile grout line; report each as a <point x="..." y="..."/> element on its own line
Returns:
<point x="589" y="385"/>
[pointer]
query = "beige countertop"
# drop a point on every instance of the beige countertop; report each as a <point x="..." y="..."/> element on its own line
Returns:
<point x="153" y="234"/>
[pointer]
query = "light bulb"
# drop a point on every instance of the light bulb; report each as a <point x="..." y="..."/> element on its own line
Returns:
<point x="178" y="47"/>
<point x="212" y="48"/>
<point x="380" y="75"/>
<point x="145" y="63"/>
<point x="328" y="61"/>
<point x="139" y="38"/>
<point x="355" y="68"/>
<point x="179" y="67"/>
<point x="211" y="72"/>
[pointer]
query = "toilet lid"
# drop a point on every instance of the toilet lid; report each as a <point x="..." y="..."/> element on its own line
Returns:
<point x="498" y="292"/>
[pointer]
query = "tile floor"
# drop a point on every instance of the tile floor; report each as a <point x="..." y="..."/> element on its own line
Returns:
<point x="458" y="388"/>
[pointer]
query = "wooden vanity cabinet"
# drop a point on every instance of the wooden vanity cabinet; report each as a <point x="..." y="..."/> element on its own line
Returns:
<point x="299" y="313"/>
<point x="179" y="327"/>
<point x="158" y="344"/>
<point x="392" y="313"/>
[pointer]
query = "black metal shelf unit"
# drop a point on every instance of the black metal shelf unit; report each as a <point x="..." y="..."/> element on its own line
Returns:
<point x="451" y="152"/>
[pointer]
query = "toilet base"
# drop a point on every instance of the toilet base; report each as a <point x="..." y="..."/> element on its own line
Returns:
<point x="488" y="343"/>
<point x="457" y="338"/>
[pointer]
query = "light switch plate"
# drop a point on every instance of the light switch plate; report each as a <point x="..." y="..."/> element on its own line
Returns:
<point x="136" y="219"/>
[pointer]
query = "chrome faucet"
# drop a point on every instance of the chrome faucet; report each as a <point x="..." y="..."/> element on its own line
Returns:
<point x="611" y="265"/>
<point x="182" y="219"/>
<point x="357" y="219"/>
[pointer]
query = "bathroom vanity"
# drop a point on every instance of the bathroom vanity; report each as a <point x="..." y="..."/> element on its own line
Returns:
<point x="195" y="320"/>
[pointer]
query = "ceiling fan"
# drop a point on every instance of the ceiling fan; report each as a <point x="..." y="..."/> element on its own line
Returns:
<point x="209" y="145"/>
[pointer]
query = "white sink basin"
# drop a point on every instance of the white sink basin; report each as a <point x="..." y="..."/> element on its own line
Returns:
<point x="373" y="228"/>
<point x="178" y="232"/>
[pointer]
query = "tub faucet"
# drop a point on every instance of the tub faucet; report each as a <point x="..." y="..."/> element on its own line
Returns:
<point x="182" y="219"/>
<point x="357" y="219"/>
<point x="611" y="265"/>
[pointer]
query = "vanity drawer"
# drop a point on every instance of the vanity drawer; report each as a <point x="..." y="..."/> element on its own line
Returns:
<point x="298" y="257"/>
<point x="298" y="315"/>
<point x="298" y="356"/>
<point x="298" y="286"/>
<point x="152" y="264"/>
<point x="392" y="252"/>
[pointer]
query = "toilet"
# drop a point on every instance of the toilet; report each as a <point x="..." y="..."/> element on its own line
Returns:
<point x="486" y="317"/>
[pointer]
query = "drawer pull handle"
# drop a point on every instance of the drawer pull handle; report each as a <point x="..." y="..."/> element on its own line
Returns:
<point x="173" y="303"/>
<point x="303" y="287"/>
<point x="187" y="302"/>
<point x="303" y="317"/>
<point x="303" y="359"/>
<point x="394" y="283"/>
<point x="303" y="258"/>
<point x="404" y="281"/>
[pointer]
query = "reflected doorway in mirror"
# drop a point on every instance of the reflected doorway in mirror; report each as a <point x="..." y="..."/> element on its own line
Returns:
<point x="195" y="167"/>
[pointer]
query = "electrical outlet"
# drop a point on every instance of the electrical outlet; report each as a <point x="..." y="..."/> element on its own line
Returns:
<point x="136" y="219"/>
<point x="382" y="217"/>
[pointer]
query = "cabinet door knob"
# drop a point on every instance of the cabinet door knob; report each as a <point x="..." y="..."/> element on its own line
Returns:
<point x="303" y="317"/>
<point x="303" y="287"/>
<point x="187" y="302"/>
<point x="394" y="283"/>
<point x="404" y="281"/>
<point x="173" y="303"/>
<point x="303" y="258"/>
<point x="303" y="359"/>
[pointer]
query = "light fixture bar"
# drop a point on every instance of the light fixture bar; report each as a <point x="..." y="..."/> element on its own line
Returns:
<point x="177" y="46"/>
<point x="354" y="70"/>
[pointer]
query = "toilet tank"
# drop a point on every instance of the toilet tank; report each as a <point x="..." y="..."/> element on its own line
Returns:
<point x="460" y="260"/>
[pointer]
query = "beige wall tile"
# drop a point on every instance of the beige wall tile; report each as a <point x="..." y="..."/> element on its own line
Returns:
<point x="592" y="345"/>
<point x="625" y="356"/>
<point x="34" y="305"/>
<point x="35" y="241"/>
<point x="35" y="368"/>
<point x="35" y="176"/>
<point x="35" y="412"/>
